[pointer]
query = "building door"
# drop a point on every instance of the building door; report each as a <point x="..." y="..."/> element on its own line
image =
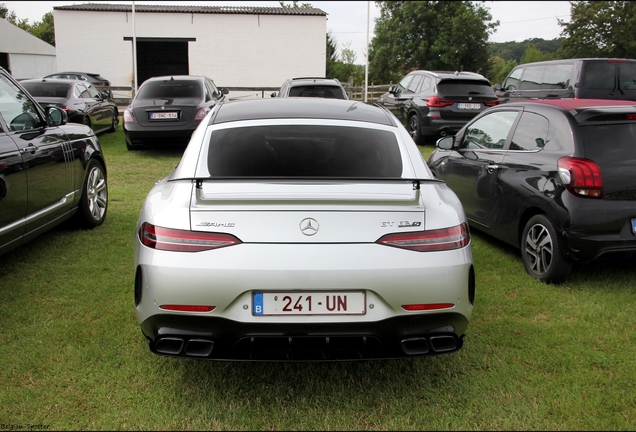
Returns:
<point x="158" y="58"/>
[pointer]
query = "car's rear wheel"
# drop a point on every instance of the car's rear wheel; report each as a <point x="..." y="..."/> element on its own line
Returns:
<point x="115" y="123"/>
<point x="541" y="251"/>
<point x="94" y="201"/>
<point x="414" y="129"/>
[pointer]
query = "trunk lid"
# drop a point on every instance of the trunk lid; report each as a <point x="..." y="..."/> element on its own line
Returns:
<point x="307" y="211"/>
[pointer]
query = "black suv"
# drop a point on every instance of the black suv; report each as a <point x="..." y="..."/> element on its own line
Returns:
<point x="433" y="104"/>
<point x="554" y="178"/>
<point x="312" y="87"/>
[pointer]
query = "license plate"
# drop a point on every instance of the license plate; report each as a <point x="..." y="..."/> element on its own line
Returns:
<point x="164" y="115"/>
<point x="469" y="106"/>
<point x="634" y="226"/>
<point x="309" y="303"/>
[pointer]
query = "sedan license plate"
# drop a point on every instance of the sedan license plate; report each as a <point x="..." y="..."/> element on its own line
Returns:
<point x="309" y="303"/>
<point x="164" y="115"/>
<point x="469" y="106"/>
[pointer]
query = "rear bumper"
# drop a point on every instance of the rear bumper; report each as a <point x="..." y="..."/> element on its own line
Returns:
<point x="139" y="136"/>
<point x="215" y="338"/>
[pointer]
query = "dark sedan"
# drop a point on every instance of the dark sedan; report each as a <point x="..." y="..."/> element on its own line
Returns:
<point x="92" y="78"/>
<point x="50" y="171"/>
<point x="167" y="110"/>
<point x="554" y="178"/>
<point x="81" y="101"/>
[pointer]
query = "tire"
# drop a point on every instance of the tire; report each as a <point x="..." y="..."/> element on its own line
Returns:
<point x="86" y="121"/>
<point x="414" y="129"/>
<point x="542" y="253"/>
<point x="115" y="123"/>
<point x="94" y="202"/>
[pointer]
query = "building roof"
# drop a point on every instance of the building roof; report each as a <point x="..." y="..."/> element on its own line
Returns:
<point x="14" y="40"/>
<point x="255" y="10"/>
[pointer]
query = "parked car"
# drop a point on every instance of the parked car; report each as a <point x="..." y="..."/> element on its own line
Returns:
<point x="49" y="170"/>
<point x="554" y="178"/>
<point x="93" y="78"/>
<point x="587" y="78"/>
<point x="312" y="87"/>
<point x="167" y="109"/>
<point x="302" y="229"/>
<point x="81" y="101"/>
<point x="434" y="104"/>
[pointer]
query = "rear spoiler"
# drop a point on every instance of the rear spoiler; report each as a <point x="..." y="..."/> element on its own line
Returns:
<point x="415" y="181"/>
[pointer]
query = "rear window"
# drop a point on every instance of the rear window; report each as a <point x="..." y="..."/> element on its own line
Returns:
<point x="328" y="92"/>
<point x="304" y="151"/>
<point x="599" y="76"/>
<point x="460" y="88"/>
<point x="42" y="89"/>
<point x="613" y="148"/>
<point x="171" y="89"/>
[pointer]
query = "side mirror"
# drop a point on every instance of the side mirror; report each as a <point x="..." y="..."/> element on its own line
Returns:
<point x="224" y="90"/>
<point x="104" y="95"/>
<point x="446" y="143"/>
<point x="392" y="89"/>
<point x="498" y="86"/>
<point x="56" y="116"/>
<point x="273" y="94"/>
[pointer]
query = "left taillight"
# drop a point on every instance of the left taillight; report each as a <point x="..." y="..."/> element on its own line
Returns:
<point x="201" y="113"/>
<point x="429" y="241"/>
<point x="128" y="116"/>
<point x="174" y="240"/>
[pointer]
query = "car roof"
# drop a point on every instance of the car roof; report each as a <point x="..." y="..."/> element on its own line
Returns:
<point x="52" y="80"/>
<point x="576" y="104"/>
<point x="301" y="108"/>
<point x="316" y="80"/>
<point x="453" y="75"/>
<point x="176" y="77"/>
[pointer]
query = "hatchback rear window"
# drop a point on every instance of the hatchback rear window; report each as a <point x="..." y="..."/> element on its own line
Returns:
<point x="328" y="92"/>
<point x="459" y="87"/>
<point x="171" y="89"/>
<point x="304" y="151"/>
<point x="44" y="89"/>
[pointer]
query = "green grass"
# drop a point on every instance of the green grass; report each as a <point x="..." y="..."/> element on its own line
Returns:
<point x="72" y="356"/>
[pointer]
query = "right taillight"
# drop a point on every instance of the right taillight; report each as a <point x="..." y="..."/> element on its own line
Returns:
<point x="429" y="241"/>
<point x="582" y="177"/>
<point x="175" y="240"/>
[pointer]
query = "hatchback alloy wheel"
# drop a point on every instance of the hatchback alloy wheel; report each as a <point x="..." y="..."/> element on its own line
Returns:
<point x="541" y="251"/>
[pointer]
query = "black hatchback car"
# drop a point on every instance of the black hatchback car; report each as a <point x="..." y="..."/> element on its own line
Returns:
<point x="81" y="101"/>
<point x="554" y="178"/>
<point x="434" y="104"/>
<point x="166" y="110"/>
<point x="50" y="171"/>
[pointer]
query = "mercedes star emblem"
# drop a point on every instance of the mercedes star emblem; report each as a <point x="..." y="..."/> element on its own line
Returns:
<point x="309" y="226"/>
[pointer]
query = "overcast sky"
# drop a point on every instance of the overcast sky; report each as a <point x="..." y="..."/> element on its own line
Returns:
<point x="347" y="20"/>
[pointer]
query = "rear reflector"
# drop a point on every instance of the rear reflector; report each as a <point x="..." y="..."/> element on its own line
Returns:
<point x="429" y="241"/>
<point x="631" y="116"/>
<point x="429" y="306"/>
<point x="183" y="241"/>
<point x="582" y="177"/>
<point x="187" y="308"/>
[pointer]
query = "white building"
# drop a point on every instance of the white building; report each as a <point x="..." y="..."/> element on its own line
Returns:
<point x="237" y="47"/>
<point x="24" y="55"/>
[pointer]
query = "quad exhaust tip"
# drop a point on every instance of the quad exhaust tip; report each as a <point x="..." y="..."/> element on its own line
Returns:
<point x="192" y="348"/>
<point x="423" y="345"/>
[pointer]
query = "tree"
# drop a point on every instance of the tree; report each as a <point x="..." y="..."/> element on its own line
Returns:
<point x="433" y="35"/>
<point x="294" y="4"/>
<point x="332" y="55"/>
<point x="44" y="29"/>
<point x="532" y="54"/>
<point x="600" y="29"/>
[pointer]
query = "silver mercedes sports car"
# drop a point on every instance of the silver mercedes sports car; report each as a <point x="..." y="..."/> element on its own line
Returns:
<point x="302" y="229"/>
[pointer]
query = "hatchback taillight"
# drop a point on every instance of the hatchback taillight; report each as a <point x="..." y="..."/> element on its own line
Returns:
<point x="429" y="241"/>
<point x="436" y="102"/>
<point x="492" y="103"/>
<point x="582" y="177"/>
<point x="174" y="240"/>
<point x="201" y="113"/>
